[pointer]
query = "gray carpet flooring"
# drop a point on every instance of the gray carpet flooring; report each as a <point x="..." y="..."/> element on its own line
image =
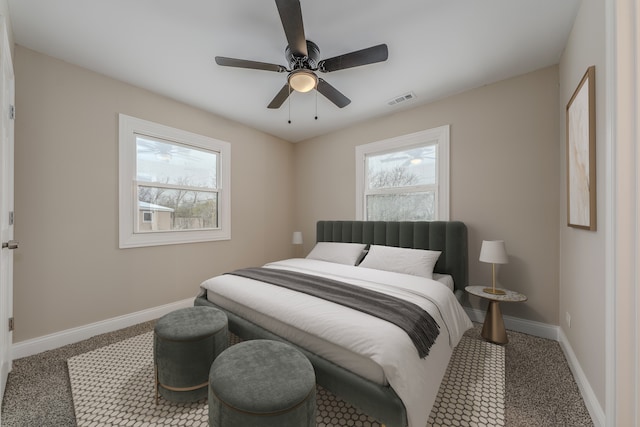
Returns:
<point x="540" y="390"/>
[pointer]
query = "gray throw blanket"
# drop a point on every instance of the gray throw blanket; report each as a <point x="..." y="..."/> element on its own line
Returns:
<point x="417" y="323"/>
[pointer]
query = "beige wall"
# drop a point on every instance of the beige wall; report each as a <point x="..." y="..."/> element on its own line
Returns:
<point x="69" y="271"/>
<point x="504" y="175"/>
<point x="582" y="253"/>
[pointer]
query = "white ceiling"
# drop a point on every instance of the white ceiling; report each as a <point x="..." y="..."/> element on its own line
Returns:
<point x="436" y="48"/>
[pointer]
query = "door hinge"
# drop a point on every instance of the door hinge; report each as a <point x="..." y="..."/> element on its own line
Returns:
<point x="10" y="217"/>
<point x="10" y="324"/>
<point x="12" y="112"/>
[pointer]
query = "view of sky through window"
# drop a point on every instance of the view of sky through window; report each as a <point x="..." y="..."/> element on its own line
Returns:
<point x="172" y="163"/>
<point x="410" y="167"/>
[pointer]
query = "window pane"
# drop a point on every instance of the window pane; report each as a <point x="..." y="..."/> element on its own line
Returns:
<point x="172" y="163"/>
<point x="415" y="166"/>
<point x="401" y="207"/>
<point x="176" y="209"/>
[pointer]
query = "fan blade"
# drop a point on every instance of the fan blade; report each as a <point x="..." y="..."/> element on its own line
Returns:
<point x="332" y="94"/>
<point x="366" y="56"/>
<point x="280" y="97"/>
<point x="254" y="65"/>
<point x="291" y="17"/>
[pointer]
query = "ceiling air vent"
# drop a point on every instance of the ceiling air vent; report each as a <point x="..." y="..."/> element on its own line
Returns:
<point x="402" y="98"/>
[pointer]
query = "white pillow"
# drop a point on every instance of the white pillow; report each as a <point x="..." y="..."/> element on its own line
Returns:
<point x="417" y="262"/>
<point x="340" y="253"/>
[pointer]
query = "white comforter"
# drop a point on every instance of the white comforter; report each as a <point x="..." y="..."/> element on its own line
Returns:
<point x="415" y="380"/>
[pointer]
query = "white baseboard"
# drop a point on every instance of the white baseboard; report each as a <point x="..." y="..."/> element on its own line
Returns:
<point x="589" y="397"/>
<point x="555" y="333"/>
<point x="70" y="336"/>
<point x="538" y="329"/>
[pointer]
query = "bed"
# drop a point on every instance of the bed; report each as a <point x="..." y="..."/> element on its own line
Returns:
<point x="391" y="385"/>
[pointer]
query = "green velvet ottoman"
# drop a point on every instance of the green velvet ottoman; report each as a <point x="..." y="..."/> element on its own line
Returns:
<point x="262" y="383"/>
<point x="185" y="343"/>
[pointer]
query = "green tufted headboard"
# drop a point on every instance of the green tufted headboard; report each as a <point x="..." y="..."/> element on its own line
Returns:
<point x="449" y="237"/>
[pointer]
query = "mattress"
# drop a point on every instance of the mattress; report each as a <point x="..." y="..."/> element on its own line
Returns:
<point x="370" y="347"/>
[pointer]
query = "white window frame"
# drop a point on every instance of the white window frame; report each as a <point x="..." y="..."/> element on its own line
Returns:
<point x="128" y="195"/>
<point x="438" y="136"/>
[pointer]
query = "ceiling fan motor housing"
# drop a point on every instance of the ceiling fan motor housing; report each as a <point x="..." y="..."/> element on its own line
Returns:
<point x="308" y="62"/>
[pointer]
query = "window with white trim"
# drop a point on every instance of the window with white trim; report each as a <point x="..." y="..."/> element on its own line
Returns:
<point x="174" y="185"/>
<point x="404" y="178"/>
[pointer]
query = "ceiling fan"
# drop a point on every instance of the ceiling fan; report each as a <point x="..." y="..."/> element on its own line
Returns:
<point x="302" y="56"/>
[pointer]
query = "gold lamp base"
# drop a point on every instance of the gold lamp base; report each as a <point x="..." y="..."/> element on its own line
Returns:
<point x="492" y="290"/>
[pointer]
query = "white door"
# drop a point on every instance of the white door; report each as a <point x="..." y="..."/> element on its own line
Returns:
<point x="6" y="205"/>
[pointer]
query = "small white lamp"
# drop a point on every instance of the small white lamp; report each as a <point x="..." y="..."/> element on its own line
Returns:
<point x="494" y="252"/>
<point x="297" y="238"/>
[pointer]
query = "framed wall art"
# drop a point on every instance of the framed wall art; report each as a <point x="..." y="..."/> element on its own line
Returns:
<point x="581" y="154"/>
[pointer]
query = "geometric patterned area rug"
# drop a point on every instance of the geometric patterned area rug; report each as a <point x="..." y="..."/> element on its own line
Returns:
<point x="114" y="386"/>
<point x="472" y="390"/>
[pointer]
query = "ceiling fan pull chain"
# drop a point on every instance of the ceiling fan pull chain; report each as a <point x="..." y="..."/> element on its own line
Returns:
<point x="316" y="103"/>
<point x="289" y="102"/>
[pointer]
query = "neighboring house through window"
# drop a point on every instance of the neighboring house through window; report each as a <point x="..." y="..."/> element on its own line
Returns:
<point x="404" y="178"/>
<point x="174" y="185"/>
<point x="147" y="216"/>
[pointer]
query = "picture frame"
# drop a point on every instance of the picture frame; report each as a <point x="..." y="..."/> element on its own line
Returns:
<point x="581" y="154"/>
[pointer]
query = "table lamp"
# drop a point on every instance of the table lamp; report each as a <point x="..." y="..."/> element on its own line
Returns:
<point x="297" y="238"/>
<point x="494" y="251"/>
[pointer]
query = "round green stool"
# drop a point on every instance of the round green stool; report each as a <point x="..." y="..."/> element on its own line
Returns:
<point x="262" y="383"/>
<point x="185" y="343"/>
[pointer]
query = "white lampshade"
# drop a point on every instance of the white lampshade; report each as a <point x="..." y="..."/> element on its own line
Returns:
<point x="302" y="80"/>
<point x="297" y="238"/>
<point x="494" y="251"/>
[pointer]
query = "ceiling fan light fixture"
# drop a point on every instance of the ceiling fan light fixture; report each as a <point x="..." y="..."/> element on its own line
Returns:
<point x="303" y="80"/>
